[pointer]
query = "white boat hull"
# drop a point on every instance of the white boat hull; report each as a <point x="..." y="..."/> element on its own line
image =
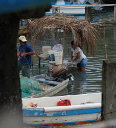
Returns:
<point x="61" y="7"/>
<point x="62" y="120"/>
<point x="72" y="10"/>
<point x="69" y="10"/>
<point x="84" y="108"/>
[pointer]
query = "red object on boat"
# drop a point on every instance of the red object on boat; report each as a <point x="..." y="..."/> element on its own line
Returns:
<point x="65" y="102"/>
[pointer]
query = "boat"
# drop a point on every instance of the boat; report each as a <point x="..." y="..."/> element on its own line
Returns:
<point x="67" y="8"/>
<point x="37" y="86"/>
<point x="49" y="90"/>
<point x="62" y="110"/>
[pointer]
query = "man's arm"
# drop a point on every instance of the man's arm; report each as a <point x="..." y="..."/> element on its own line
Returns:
<point x="27" y="53"/>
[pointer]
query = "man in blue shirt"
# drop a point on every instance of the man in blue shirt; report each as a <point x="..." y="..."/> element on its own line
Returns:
<point x="25" y="53"/>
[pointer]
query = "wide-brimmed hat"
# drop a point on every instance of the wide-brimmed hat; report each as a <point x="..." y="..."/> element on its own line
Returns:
<point x="22" y="38"/>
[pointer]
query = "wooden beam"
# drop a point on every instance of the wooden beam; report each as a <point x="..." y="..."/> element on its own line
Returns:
<point x="115" y="12"/>
<point x="93" y="5"/>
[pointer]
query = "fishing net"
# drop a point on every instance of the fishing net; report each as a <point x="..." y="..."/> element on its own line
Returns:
<point x="29" y="87"/>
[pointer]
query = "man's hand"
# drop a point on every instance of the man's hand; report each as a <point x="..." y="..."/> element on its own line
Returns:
<point x="23" y="54"/>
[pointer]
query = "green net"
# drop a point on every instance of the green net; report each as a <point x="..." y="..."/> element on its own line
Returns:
<point x="29" y="87"/>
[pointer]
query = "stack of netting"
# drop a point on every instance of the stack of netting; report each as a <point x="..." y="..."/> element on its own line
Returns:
<point x="29" y="87"/>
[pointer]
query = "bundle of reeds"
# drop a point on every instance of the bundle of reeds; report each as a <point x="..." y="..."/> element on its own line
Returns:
<point x="85" y="33"/>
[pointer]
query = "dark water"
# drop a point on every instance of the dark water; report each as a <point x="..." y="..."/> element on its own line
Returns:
<point x="92" y="80"/>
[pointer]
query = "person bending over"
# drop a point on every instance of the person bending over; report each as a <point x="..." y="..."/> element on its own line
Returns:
<point x="78" y="57"/>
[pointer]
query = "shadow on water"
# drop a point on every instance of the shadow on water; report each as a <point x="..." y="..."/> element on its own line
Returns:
<point x="78" y="86"/>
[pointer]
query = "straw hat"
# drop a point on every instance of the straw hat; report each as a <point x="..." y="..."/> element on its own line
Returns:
<point x="22" y="38"/>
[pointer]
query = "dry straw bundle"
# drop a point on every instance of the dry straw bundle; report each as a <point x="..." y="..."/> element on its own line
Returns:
<point x="85" y="34"/>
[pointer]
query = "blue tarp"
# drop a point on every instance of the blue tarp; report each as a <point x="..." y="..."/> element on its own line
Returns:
<point x="7" y="6"/>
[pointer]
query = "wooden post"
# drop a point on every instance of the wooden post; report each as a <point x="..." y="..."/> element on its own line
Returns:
<point x="10" y="96"/>
<point x="114" y="32"/>
<point x="109" y="91"/>
<point x="115" y="13"/>
<point x="87" y="13"/>
<point x="39" y="62"/>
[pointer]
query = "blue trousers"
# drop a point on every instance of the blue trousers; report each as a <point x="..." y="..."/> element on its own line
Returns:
<point x="83" y="63"/>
